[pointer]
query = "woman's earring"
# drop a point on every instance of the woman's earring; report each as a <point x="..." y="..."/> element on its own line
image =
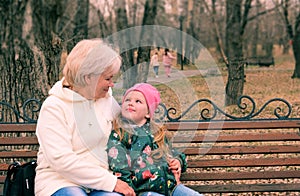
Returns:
<point x="147" y="116"/>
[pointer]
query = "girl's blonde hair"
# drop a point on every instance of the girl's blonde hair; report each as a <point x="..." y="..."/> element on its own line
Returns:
<point x="159" y="131"/>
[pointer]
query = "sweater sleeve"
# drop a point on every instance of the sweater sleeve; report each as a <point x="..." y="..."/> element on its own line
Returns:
<point x="178" y="155"/>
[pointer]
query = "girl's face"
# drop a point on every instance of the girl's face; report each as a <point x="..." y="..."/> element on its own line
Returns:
<point x="135" y="108"/>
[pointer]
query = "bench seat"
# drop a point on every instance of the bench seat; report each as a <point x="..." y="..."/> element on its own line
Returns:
<point x="231" y="156"/>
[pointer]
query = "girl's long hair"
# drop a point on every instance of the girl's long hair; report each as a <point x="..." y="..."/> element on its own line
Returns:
<point x="160" y="133"/>
<point x="166" y="51"/>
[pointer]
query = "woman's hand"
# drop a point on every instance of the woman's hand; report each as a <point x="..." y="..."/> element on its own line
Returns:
<point x="175" y="167"/>
<point x="124" y="188"/>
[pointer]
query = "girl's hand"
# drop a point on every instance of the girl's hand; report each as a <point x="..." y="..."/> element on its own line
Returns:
<point x="124" y="188"/>
<point x="174" y="164"/>
<point x="175" y="167"/>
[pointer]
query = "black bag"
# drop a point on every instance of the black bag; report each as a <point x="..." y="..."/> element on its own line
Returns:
<point x="20" y="179"/>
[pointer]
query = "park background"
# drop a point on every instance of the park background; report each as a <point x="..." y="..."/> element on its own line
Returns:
<point x="36" y="37"/>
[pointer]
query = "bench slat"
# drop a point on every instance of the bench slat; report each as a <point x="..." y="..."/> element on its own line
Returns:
<point x="30" y="140"/>
<point x="18" y="127"/>
<point x="18" y="154"/>
<point x="240" y="150"/>
<point x="257" y="162"/>
<point x="237" y="138"/>
<point x="231" y="125"/>
<point x="239" y="188"/>
<point x="240" y="175"/>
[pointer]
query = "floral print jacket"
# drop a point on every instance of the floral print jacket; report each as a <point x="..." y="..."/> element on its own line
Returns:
<point x="130" y="159"/>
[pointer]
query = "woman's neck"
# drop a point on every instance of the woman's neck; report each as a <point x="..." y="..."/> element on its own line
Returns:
<point x="83" y="92"/>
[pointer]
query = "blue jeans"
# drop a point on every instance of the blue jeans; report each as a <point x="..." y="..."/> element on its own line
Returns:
<point x="180" y="190"/>
<point x="78" y="191"/>
<point x="155" y="68"/>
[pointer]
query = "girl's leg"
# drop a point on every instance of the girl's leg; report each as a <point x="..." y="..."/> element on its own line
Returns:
<point x="70" y="191"/>
<point x="155" y="70"/>
<point x="104" y="193"/>
<point x="183" y="190"/>
<point x="167" y="70"/>
<point x="150" y="194"/>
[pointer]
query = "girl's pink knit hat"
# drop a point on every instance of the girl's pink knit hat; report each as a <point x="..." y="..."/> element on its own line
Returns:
<point x="150" y="93"/>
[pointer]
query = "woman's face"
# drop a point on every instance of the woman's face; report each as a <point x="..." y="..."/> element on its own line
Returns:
<point x="103" y="83"/>
<point x="135" y="107"/>
<point x="100" y="84"/>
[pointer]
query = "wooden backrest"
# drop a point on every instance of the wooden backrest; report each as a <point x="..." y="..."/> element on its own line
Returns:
<point x="240" y="156"/>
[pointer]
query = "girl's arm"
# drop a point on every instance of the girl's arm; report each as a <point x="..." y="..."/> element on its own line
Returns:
<point x="171" y="56"/>
<point x="177" y="161"/>
<point x="176" y="154"/>
<point x="181" y="157"/>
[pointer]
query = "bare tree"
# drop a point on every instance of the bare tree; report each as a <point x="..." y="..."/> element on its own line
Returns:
<point x="32" y="43"/>
<point x="143" y="57"/>
<point x="235" y="26"/>
<point x="212" y="12"/>
<point x="135" y="68"/>
<point x="129" y="69"/>
<point x="296" y="48"/>
<point x="293" y="34"/>
<point x="18" y="79"/>
<point x="57" y="24"/>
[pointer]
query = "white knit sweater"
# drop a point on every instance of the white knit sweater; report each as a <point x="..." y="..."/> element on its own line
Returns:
<point x="73" y="132"/>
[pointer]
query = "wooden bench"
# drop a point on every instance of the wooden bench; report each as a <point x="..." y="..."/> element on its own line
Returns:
<point x="14" y="139"/>
<point x="240" y="156"/>
<point x="230" y="156"/>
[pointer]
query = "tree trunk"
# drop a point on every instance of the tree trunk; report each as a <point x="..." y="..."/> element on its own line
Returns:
<point x="129" y="69"/>
<point x="235" y="82"/>
<point x="296" y="48"/>
<point x="143" y="57"/>
<point x="81" y="21"/>
<point x="32" y="41"/>
<point x="52" y="31"/>
<point x="255" y="33"/>
<point x="17" y="83"/>
<point x="286" y="46"/>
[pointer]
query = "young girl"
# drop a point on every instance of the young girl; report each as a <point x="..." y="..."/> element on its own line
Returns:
<point x="167" y="61"/>
<point x="138" y="149"/>
<point x="155" y="63"/>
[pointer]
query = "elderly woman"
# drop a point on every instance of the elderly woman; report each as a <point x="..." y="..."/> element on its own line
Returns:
<point x="74" y="124"/>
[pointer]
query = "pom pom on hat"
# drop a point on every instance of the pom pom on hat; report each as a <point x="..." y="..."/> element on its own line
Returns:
<point x="150" y="93"/>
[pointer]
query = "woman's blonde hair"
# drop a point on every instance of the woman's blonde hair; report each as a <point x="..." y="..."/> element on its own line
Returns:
<point x="89" y="56"/>
<point x="160" y="133"/>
